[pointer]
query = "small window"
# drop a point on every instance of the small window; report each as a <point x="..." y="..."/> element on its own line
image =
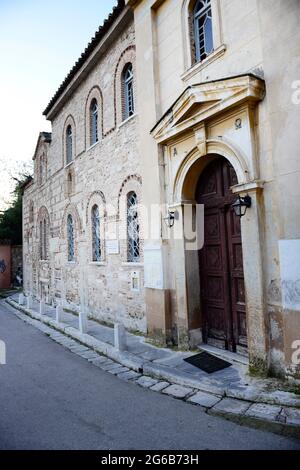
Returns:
<point x="133" y="228"/>
<point x="94" y="122"/>
<point x="70" y="184"/>
<point x="128" y="95"/>
<point x="42" y="169"/>
<point x="70" y="233"/>
<point x="69" y="144"/>
<point x="31" y="213"/>
<point x="203" y="35"/>
<point x="96" y="234"/>
<point x="43" y="239"/>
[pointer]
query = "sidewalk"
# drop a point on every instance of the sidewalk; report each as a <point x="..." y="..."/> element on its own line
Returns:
<point x="230" y="393"/>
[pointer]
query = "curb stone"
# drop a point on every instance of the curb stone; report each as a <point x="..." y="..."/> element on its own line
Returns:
<point x="231" y="405"/>
<point x="129" y="375"/>
<point x="205" y="400"/>
<point x="118" y="370"/>
<point x="146" y="382"/>
<point x="160" y="386"/>
<point x="177" y="391"/>
<point x="266" y="412"/>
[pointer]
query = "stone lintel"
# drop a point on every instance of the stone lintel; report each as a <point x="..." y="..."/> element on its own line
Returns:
<point x="251" y="186"/>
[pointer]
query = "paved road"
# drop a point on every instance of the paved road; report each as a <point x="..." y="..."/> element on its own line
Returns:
<point x="53" y="399"/>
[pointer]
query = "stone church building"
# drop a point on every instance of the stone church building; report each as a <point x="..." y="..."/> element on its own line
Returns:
<point x="191" y="107"/>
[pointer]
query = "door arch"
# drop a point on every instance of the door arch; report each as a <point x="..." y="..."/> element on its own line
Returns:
<point x="221" y="260"/>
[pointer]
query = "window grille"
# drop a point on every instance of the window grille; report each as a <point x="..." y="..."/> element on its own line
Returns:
<point x="96" y="234"/>
<point x="203" y="29"/>
<point x="69" y="144"/>
<point x="70" y="234"/>
<point x="133" y="228"/>
<point x="41" y="239"/>
<point x="45" y="240"/>
<point x="128" y="92"/>
<point x="94" y="122"/>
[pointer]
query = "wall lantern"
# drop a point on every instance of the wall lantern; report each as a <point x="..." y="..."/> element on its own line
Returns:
<point x="170" y="219"/>
<point x="241" y="205"/>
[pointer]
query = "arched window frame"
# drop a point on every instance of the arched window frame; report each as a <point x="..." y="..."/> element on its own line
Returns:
<point x="96" y="234"/>
<point x="191" y="65"/>
<point x="128" y="91"/>
<point x="69" y="144"/>
<point x="94" y="122"/>
<point x="71" y="238"/>
<point x="133" y="228"/>
<point x="204" y="42"/>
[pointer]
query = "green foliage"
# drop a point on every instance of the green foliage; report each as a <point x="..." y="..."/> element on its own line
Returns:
<point x="11" y="218"/>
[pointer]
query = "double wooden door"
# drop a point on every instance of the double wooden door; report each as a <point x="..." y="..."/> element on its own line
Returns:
<point x="221" y="260"/>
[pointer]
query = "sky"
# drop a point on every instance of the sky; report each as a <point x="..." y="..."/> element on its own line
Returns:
<point x="40" y="40"/>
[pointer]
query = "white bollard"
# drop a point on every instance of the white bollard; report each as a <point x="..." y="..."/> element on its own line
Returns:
<point x="21" y="299"/>
<point x="29" y="302"/>
<point x="120" y="337"/>
<point x="58" y="313"/>
<point x="42" y="307"/>
<point x="2" y="353"/>
<point x="82" y="322"/>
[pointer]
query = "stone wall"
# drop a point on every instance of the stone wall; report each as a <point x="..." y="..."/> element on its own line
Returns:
<point x="5" y="265"/>
<point x="101" y="174"/>
<point x="16" y="260"/>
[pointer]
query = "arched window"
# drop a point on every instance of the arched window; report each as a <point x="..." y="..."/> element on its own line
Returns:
<point x="31" y="213"/>
<point x="94" y="122"/>
<point x="96" y="239"/>
<point x="128" y="95"/>
<point x="43" y="239"/>
<point x="70" y="233"/>
<point x="70" y="184"/>
<point x="133" y="228"/>
<point x="203" y="35"/>
<point x="41" y="170"/>
<point x="69" y="144"/>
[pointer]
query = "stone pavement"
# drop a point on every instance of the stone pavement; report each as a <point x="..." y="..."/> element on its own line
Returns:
<point x="230" y="393"/>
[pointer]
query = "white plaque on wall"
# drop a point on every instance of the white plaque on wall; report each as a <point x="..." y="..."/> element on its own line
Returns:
<point x="135" y="281"/>
<point x="153" y="268"/>
<point x="112" y="247"/>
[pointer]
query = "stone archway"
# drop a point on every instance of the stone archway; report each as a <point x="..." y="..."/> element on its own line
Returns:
<point x="195" y="161"/>
<point x="187" y="283"/>
<point x="222" y="293"/>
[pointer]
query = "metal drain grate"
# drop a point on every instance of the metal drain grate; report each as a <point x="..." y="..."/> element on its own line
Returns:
<point x="207" y="362"/>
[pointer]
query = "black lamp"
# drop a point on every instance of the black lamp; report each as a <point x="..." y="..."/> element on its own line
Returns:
<point x="241" y="205"/>
<point x="170" y="219"/>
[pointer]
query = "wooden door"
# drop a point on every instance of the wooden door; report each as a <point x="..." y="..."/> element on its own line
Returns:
<point x="221" y="260"/>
